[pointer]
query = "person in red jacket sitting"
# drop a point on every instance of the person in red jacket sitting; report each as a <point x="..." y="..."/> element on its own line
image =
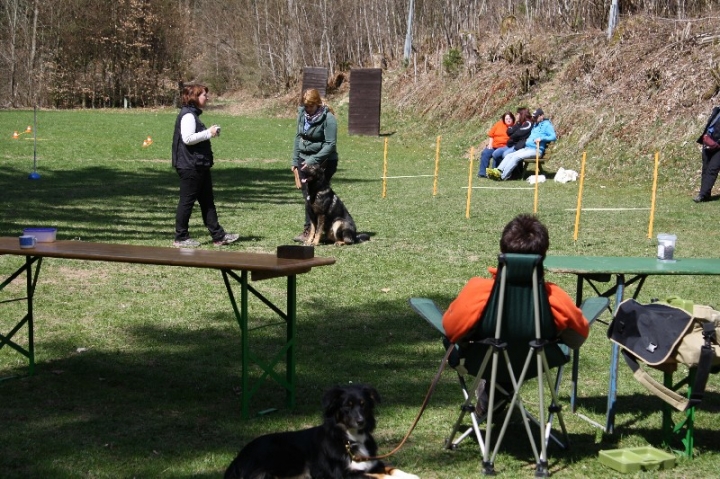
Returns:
<point x="497" y="139"/>
<point x="525" y="234"/>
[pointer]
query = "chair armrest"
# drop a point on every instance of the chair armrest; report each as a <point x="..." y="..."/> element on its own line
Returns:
<point x="593" y="307"/>
<point x="429" y="310"/>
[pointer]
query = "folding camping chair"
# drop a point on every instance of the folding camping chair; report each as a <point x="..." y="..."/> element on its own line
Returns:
<point x="516" y="327"/>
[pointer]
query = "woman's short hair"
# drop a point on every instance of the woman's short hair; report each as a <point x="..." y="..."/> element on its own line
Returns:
<point x="191" y="92"/>
<point x="508" y="113"/>
<point x="525" y="234"/>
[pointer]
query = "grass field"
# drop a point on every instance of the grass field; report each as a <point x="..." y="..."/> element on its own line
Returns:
<point x="138" y="366"/>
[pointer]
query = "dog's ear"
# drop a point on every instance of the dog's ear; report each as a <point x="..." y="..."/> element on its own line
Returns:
<point x="371" y="393"/>
<point x="331" y="401"/>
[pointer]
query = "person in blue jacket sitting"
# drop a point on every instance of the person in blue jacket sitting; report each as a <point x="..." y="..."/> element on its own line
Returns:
<point x="541" y="134"/>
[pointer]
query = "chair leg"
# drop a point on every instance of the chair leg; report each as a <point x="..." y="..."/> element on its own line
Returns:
<point x="544" y="422"/>
<point x="468" y="407"/>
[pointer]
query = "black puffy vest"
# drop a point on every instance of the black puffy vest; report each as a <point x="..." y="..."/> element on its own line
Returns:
<point x="188" y="157"/>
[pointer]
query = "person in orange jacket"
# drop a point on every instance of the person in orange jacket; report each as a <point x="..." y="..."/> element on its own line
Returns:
<point x="525" y="234"/>
<point x="497" y="138"/>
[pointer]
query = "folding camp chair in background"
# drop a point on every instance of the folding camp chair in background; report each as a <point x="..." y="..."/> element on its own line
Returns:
<point x="516" y="328"/>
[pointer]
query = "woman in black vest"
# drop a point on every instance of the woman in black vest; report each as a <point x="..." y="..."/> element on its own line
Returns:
<point x="192" y="158"/>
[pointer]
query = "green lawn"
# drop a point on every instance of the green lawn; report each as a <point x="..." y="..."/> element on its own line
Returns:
<point x="138" y="366"/>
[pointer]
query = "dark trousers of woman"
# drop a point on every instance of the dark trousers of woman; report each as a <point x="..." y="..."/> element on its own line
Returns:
<point x="330" y="168"/>
<point x="196" y="185"/>
<point x="710" y="170"/>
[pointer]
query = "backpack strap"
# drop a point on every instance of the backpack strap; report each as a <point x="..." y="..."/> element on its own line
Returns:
<point x="707" y="354"/>
<point x="679" y="402"/>
<point x="663" y="392"/>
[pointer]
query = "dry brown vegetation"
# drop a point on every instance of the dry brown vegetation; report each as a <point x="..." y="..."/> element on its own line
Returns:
<point x="648" y="88"/>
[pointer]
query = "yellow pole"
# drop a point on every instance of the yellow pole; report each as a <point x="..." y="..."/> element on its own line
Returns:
<point x="580" y="193"/>
<point x="654" y="193"/>
<point x="384" y="183"/>
<point x="537" y="173"/>
<point x="437" y="164"/>
<point x="470" y="178"/>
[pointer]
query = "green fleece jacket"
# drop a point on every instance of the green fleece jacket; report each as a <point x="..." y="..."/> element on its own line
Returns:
<point x="318" y="142"/>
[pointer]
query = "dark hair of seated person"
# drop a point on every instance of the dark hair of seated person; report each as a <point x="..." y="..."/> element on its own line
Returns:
<point x="525" y="234"/>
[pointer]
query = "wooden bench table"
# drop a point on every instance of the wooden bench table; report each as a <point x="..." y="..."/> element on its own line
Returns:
<point x="232" y="264"/>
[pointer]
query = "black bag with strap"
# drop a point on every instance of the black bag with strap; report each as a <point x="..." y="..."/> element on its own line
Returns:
<point x="663" y="336"/>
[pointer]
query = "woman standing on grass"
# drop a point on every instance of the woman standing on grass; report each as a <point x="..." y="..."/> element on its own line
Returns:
<point x="315" y="143"/>
<point x="192" y="158"/>
<point x="710" y="156"/>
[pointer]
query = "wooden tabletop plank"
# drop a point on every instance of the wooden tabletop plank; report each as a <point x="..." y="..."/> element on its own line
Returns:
<point x="190" y="257"/>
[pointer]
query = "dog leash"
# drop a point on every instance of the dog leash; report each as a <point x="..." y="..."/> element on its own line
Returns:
<point x="429" y="394"/>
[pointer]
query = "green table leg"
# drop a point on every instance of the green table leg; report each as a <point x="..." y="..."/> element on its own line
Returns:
<point x="685" y="429"/>
<point x="31" y="282"/>
<point x="287" y="352"/>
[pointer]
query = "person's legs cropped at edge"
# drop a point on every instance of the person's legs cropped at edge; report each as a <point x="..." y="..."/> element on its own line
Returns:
<point x="206" y="198"/>
<point x="188" y="196"/>
<point x="710" y="170"/>
<point x="484" y="161"/>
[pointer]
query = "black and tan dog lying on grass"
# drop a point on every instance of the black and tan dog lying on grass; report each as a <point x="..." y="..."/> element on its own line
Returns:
<point x="330" y="219"/>
<point x="342" y="447"/>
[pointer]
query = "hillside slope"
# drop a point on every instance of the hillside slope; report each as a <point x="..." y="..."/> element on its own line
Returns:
<point x="647" y="89"/>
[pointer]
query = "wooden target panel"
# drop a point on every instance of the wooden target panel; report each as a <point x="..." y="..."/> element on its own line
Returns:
<point x="314" y="77"/>
<point x="365" y="93"/>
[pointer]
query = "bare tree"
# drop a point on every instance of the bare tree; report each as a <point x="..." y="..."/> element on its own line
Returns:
<point x="89" y="53"/>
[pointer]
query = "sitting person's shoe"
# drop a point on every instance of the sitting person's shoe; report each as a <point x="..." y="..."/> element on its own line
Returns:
<point x="494" y="173"/>
<point x="701" y="199"/>
<point x="302" y="237"/>
<point x="186" y="243"/>
<point x="482" y="398"/>
<point x="483" y="401"/>
<point x="227" y="239"/>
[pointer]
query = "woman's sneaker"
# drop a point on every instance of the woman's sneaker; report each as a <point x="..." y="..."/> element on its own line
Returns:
<point x="494" y="173"/>
<point x="186" y="243"/>
<point x="227" y="239"/>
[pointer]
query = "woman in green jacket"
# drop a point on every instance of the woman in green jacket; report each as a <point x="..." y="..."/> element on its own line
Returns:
<point x="315" y="143"/>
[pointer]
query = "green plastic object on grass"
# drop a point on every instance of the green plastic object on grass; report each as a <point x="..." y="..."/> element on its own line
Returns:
<point x="635" y="459"/>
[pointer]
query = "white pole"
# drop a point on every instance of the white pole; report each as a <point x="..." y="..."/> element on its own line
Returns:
<point x="408" y="35"/>
<point x="613" y="17"/>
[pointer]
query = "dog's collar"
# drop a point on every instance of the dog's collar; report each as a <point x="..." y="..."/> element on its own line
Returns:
<point x="349" y="448"/>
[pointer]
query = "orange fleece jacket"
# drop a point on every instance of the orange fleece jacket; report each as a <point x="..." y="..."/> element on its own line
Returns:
<point x="466" y="309"/>
<point x="498" y="133"/>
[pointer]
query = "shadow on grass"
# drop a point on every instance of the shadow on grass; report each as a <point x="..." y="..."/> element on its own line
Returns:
<point x="170" y="396"/>
<point x="141" y="202"/>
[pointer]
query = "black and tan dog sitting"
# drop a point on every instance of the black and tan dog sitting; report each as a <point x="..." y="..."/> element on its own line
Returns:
<point x="342" y="447"/>
<point x="330" y="219"/>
